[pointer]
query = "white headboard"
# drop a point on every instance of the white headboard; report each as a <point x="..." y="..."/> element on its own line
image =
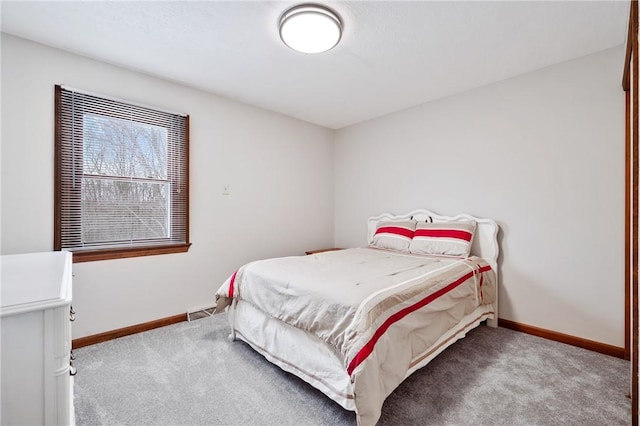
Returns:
<point x="485" y="240"/>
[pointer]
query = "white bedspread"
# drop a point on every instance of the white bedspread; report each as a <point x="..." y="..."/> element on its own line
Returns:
<point x="363" y="301"/>
<point x="382" y="313"/>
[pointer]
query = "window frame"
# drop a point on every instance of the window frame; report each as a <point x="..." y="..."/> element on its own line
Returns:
<point x="90" y="254"/>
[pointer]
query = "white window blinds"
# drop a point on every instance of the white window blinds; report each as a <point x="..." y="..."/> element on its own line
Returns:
<point x="121" y="174"/>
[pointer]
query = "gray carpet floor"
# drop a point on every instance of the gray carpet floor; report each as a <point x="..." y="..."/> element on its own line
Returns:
<point x="189" y="374"/>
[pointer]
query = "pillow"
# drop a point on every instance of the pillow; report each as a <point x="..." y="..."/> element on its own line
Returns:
<point x="451" y="238"/>
<point x="395" y="235"/>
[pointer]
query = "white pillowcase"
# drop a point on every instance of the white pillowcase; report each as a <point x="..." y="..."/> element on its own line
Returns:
<point x="449" y="238"/>
<point x="394" y="235"/>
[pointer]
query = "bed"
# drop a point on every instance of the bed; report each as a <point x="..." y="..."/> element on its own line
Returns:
<point x="355" y="323"/>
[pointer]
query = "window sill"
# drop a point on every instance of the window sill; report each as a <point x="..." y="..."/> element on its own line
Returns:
<point x="122" y="253"/>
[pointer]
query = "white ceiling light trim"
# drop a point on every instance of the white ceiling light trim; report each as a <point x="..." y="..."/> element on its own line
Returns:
<point x="310" y="28"/>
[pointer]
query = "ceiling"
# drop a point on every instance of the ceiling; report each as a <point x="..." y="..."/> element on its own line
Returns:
<point x="393" y="54"/>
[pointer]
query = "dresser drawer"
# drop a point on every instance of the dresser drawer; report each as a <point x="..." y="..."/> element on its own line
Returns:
<point x="35" y="330"/>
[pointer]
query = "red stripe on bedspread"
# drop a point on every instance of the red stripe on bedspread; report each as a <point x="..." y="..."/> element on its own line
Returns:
<point x="231" y="284"/>
<point x="368" y="347"/>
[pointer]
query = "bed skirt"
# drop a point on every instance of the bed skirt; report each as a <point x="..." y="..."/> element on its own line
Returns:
<point x="317" y="363"/>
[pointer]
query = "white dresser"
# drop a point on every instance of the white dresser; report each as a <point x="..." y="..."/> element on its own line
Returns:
<point x="35" y="339"/>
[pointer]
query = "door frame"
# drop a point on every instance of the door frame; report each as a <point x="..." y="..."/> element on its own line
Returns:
<point x="632" y="176"/>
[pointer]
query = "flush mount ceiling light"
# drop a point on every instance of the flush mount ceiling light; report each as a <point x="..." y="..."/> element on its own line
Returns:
<point x="310" y="28"/>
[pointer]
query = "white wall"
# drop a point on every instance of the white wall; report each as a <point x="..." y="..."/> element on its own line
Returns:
<point x="280" y="171"/>
<point x="543" y="155"/>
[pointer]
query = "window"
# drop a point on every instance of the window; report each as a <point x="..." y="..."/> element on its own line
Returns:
<point x="122" y="178"/>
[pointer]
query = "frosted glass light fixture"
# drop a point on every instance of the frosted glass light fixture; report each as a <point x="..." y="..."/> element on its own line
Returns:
<point x="310" y="28"/>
